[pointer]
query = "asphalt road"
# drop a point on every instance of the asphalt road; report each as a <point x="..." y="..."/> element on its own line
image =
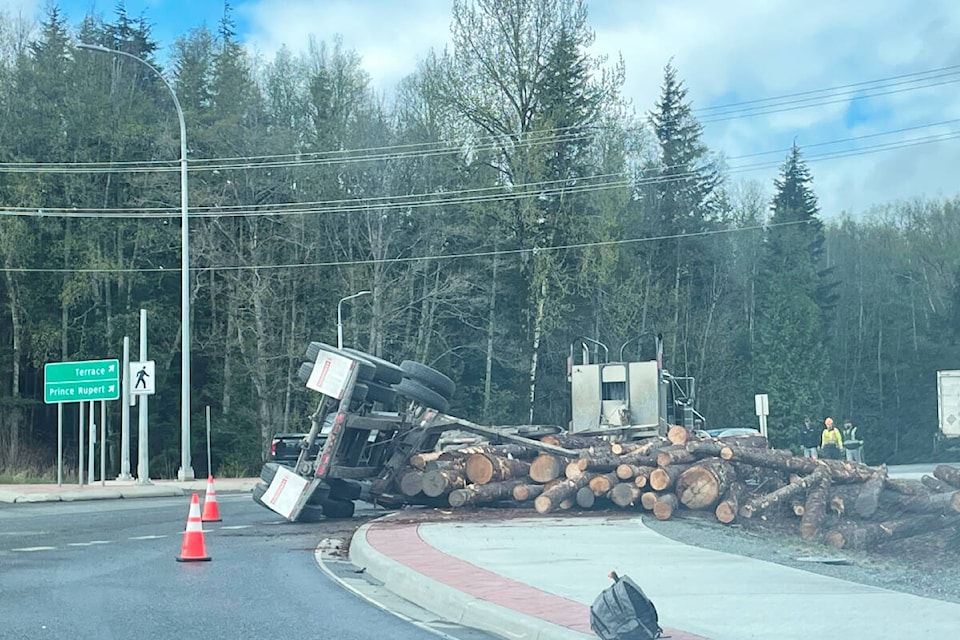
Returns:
<point x="107" y="570"/>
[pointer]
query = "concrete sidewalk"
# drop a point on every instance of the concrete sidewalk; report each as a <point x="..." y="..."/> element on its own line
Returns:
<point x="535" y="578"/>
<point x="115" y="489"/>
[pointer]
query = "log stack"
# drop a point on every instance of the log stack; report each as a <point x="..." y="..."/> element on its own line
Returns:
<point x="846" y="505"/>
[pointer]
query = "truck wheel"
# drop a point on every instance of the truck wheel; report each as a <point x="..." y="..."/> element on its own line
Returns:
<point x="268" y="471"/>
<point x="420" y="394"/>
<point x="258" y="492"/>
<point x="429" y="377"/>
<point x="310" y="513"/>
<point x="387" y="372"/>
<point x="344" y="489"/>
<point x="380" y="393"/>
<point x="338" y="508"/>
<point x="365" y="371"/>
<point x="303" y="373"/>
<point x="360" y="391"/>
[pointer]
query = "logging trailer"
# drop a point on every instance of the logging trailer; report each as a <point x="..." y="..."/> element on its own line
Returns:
<point x="373" y="416"/>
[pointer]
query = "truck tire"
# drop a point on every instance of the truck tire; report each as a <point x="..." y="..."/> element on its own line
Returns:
<point x="303" y="373"/>
<point x="258" y="492"/>
<point x="387" y="372"/>
<point x="380" y="393"/>
<point x="365" y="370"/>
<point x="413" y="390"/>
<point x="429" y="377"/>
<point x="268" y="472"/>
<point x="338" y="508"/>
<point x="310" y="513"/>
<point x="344" y="489"/>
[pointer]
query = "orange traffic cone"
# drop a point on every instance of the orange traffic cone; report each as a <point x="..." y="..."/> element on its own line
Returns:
<point x="193" y="549"/>
<point x="211" y="512"/>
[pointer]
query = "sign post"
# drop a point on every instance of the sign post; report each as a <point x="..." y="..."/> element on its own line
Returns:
<point x="82" y="381"/>
<point x="763" y="410"/>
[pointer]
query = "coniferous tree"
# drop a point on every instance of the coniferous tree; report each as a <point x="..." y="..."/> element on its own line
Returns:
<point x="791" y="361"/>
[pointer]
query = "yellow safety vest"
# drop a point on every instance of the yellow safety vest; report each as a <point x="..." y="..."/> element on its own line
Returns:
<point x="831" y="436"/>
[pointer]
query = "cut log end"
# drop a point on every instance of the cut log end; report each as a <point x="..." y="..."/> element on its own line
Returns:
<point x="665" y="507"/>
<point x="678" y="434"/>
<point x="726" y="512"/>
<point x="544" y="468"/>
<point x="479" y="468"/>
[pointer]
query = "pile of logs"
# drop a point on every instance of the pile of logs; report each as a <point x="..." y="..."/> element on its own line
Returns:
<point x="740" y="479"/>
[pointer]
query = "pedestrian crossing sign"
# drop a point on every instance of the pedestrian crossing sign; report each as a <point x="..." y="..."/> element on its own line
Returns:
<point x="142" y="378"/>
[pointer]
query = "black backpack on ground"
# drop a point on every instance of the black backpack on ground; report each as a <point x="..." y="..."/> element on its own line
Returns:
<point x="623" y="612"/>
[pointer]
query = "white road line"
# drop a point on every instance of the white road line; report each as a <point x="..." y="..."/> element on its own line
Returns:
<point x="35" y="549"/>
<point x="238" y="526"/>
<point x="88" y="544"/>
<point x="146" y="537"/>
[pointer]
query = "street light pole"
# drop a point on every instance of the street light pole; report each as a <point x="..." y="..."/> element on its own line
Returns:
<point x="186" y="470"/>
<point x="340" y="316"/>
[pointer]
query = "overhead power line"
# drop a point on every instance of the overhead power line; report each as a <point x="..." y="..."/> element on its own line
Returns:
<point x="479" y="144"/>
<point x="495" y="193"/>
<point x="434" y="257"/>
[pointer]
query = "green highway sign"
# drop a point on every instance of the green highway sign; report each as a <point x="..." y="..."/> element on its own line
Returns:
<point x="81" y="381"/>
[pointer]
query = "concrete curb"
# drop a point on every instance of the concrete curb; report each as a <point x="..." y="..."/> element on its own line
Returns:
<point x="449" y="603"/>
<point x="116" y="492"/>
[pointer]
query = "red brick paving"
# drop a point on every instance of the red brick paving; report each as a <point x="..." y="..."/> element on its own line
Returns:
<point x="403" y="543"/>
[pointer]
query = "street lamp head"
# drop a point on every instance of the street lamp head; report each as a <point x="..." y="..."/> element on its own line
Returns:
<point x="94" y="47"/>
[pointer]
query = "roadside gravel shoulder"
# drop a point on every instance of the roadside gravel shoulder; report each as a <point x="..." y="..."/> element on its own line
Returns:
<point x="918" y="565"/>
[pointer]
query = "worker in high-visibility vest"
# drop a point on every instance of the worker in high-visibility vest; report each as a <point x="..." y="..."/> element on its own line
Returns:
<point x="831" y="441"/>
<point x="852" y="443"/>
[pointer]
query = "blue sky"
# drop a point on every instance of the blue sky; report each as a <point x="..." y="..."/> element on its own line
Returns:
<point x="725" y="50"/>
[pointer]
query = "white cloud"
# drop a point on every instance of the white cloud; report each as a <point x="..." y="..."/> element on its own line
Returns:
<point x="390" y="36"/>
<point x="725" y="52"/>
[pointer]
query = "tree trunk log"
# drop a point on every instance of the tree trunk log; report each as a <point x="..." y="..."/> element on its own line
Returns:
<point x="525" y="492"/>
<point x="664" y="478"/>
<point x="442" y="481"/>
<point x="642" y="476"/>
<point x="726" y="510"/>
<point x="572" y="470"/>
<point x="677" y="434"/>
<point x="865" y="536"/>
<point x="748" y="441"/>
<point x="585" y="498"/>
<point x="608" y="463"/>
<point x="483" y="468"/>
<point x="411" y="483"/>
<point x="761" y="503"/>
<point x="936" y="484"/>
<point x="483" y="493"/>
<point x="545" y="467"/>
<point x="906" y="487"/>
<point x="815" y="509"/>
<point x="420" y="460"/>
<point x="797" y="505"/>
<point x="602" y="484"/>
<point x="842" y="498"/>
<point x="551" y="498"/>
<point x="570" y="441"/>
<point x="624" y="494"/>
<point x="675" y="455"/>
<point x="935" y="503"/>
<point x="648" y="499"/>
<point x="704" y="448"/>
<point x="840" y="471"/>
<point x="703" y="484"/>
<point x="869" y="498"/>
<point x="950" y="475"/>
<point x="665" y="506"/>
